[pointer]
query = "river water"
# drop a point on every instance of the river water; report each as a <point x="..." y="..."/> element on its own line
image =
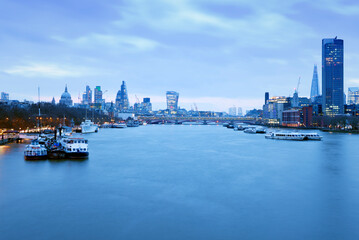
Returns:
<point x="185" y="182"/>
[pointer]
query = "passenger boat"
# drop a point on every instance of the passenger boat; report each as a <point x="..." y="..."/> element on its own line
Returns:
<point x="285" y="136"/>
<point x="88" y="127"/>
<point x="35" y="151"/>
<point x="75" y="147"/>
<point x="312" y="136"/>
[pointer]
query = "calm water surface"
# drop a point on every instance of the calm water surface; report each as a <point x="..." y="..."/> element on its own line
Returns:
<point x="185" y="182"/>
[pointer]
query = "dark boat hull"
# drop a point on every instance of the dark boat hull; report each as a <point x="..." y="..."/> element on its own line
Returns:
<point x="77" y="155"/>
<point x="34" y="158"/>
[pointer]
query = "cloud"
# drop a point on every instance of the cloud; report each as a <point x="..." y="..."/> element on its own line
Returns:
<point x="45" y="70"/>
<point x="109" y="40"/>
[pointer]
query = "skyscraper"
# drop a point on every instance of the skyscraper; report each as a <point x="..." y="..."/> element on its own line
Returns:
<point x="87" y="96"/>
<point x="353" y="95"/>
<point x="4" y="96"/>
<point x="97" y="94"/>
<point x="314" y="92"/>
<point x="332" y="76"/>
<point x="122" y="102"/>
<point x="172" y="100"/>
<point x="266" y="97"/>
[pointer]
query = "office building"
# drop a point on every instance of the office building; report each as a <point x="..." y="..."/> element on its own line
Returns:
<point x="332" y="76"/>
<point x="353" y="95"/>
<point x="87" y="96"/>
<point x="172" y="100"/>
<point x="98" y="95"/>
<point x="232" y="111"/>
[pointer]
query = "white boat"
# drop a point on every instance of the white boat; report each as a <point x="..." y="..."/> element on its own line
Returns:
<point x="250" y="130"/>
<point x="285" y="136"/>
<point x="88" y="127"/>
<point x="253" y="129"/>
<point x="312" y="136"/>
<point x="119" y="125"/>
<point x="75" y="147"/>
<point x="240" y="127"/>
<point x="35" y="151"/>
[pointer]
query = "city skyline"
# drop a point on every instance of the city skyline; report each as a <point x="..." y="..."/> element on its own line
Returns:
<point x="153" y="51"/>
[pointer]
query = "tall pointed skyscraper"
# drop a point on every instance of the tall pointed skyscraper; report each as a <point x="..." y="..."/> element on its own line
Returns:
<point x="122" y="102"/>
<point x="314" y="92"/>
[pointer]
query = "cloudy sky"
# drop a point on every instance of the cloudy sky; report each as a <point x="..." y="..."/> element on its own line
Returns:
<point x="216" y="54"/>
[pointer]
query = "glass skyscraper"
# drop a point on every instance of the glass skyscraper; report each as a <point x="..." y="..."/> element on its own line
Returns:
<point x="333" y="76"/>
<point x="122" y="102"/>
<point x="172" y="100"/>
<point x="314" y="92"/>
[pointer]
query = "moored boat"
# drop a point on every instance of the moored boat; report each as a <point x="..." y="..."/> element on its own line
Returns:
<point x="75" y="147"/>
<point x="88" y="127"/>
<point x="35" y="151"/>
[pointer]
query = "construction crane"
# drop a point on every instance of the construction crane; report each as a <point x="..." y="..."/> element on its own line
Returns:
<point x="138" y="100"/>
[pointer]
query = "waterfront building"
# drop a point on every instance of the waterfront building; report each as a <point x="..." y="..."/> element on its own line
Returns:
<point x="66" y="98"/>
<point x="232" y="111"/>
<point x="275" y="107"/>
<point x="122" y="102"/>
<point x="172" y="100"/>
<point x="353" y="95"/>
<point x="314" y="92"/>
<point x="332" y="76"/>
<point x="4" y="97"/>
<point x="298" y="117"/>
<point x="87" y="96"/>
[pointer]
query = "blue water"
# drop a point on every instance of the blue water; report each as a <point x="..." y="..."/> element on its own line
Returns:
<point x="185" y="182"/>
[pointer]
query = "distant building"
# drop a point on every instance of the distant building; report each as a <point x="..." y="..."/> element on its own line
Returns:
<point x="98" y="95"/>
<point x="66" y="98"/>
<point x="353" y="95"/>
<point x="147" y="105"/>
<point x="332" y="76"/>
<point x="314" y="92"/>
<point x="87" y="96"/>
<point x="122" y="103"/>
<point x="240" y="112"/>
<point x="266" y="97"/>
<point x="172" y="100"/>
<point x="53" y="102"/>
<point x="232" y="111"/>
<point x="4" y="97"/>
<point x="275" y="107"/>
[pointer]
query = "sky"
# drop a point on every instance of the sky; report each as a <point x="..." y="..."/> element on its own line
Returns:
<point x="216" y="54"/>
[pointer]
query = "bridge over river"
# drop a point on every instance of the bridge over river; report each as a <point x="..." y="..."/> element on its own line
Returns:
<point x="203" y="120"/>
